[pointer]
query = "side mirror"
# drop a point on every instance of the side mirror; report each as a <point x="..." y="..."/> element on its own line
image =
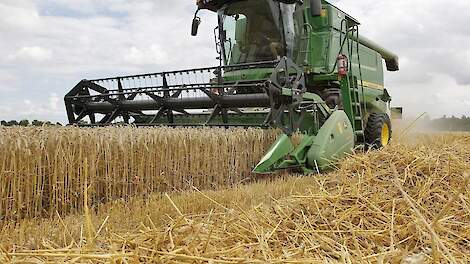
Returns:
<point x="195" y="25"/>
<point x="315" y="8"/>
<point x="397" y="112"/>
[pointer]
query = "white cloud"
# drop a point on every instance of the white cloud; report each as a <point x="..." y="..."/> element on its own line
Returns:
<point x="54" y="102"/>
<point x="5" y="109"/>
<point x="146" y="56"/>
<point x="8" y="81"/>
<point x="431" y="40"/>
<point x="440" y="95"/>
<point x="31" y="109"/>
<point x="49" y="45"/>
<point x="18" y="16"/>
<point x="34" y="53"/>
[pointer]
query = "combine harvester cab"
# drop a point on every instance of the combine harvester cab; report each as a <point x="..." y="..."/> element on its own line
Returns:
<point x="299" y="67"/>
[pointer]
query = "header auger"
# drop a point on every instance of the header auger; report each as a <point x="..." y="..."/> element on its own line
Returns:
<point x="298" y="66"/>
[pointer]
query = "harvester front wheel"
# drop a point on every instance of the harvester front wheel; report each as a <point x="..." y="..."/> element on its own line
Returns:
<point x="378" y="131"/>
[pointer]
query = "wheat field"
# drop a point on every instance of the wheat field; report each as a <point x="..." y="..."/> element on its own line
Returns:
<point x="407" y="203"/>
<point x="43" y="170"/>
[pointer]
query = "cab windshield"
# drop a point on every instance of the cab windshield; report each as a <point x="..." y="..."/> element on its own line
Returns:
<point x="253" y="31"/>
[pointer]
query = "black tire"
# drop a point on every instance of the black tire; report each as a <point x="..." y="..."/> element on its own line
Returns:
<point x="374" y="128"/>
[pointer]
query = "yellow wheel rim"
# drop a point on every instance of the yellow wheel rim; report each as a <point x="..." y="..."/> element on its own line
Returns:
<point x="385" y="135"/>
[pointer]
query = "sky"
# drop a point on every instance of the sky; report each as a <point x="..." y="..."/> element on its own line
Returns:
<point x="48" y="46"/>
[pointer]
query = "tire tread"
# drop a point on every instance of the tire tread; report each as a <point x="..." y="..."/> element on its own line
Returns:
<point x="373" y="131"/>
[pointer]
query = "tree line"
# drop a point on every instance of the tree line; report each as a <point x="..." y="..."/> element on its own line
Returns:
<point x="439" y="124"/>
<point x="25" y="123"/>
<point x="450" y="123"/>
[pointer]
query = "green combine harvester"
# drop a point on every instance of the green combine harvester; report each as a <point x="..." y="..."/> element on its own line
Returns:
<point x="299" y="66"/>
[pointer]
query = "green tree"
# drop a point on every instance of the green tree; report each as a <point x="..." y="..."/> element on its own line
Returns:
<point x="24" y="123"/>
<point x="13" y="123"/>
<point x="37" y="123"/>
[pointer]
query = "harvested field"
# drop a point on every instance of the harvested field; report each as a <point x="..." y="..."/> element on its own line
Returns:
<point x="43" y="170"/>
<point x="407" y="203"/>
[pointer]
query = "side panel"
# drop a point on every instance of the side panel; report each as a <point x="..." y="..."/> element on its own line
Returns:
<point x="333" y="142"/>
<point x="371" y="66"/>
<point x="372" y="71"/>
<point x="325" y="45"/>
<point x="374" y="103"/>
<point x="314" y="51"/>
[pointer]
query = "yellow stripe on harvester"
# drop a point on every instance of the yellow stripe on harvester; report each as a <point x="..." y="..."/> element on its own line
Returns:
<point x="373" y="85"/>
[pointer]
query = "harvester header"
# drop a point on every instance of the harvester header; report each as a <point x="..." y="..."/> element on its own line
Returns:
<point x="300" y="66"/>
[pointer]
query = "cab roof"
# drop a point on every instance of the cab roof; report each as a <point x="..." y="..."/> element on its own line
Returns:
<point x="215" y="5"/>
<point x="212" y="5"/>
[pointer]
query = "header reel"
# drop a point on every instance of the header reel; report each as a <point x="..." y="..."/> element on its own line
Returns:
<point x="196" y="97"/>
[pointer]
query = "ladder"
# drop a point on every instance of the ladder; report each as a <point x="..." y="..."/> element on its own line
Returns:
<point x="357" y="112"/>
<point x="355" y="85"/>
<point x="306" y="38"/>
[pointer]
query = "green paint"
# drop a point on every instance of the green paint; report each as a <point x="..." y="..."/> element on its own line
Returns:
<point x="328" y="134"/>
<point x="278" y="151"/>
<point x="319" y="152"/>
<point x="333" y="142"/>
